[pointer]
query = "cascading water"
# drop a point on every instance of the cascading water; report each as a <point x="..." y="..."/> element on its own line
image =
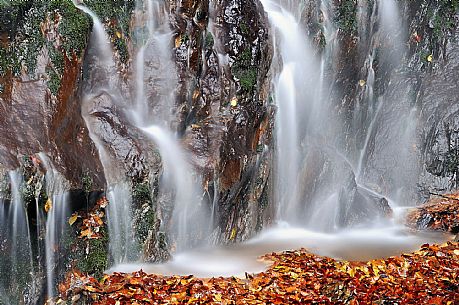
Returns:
<point x="390" y="117"/>
<point x="56" y="224"/>
<point x="306" y="132"/>
<point x="292" y="89"/>
<point x="188" y="221"/>
<point x="16" y="266"/>
<point x="154" y="82"/>
<point x="119" y="214"/>
<point x="155" y="68"/>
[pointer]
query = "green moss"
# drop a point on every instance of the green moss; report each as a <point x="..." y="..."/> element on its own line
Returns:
<point x="9" y="61"/>
<point x="116" y="15"/>
<point x="95" y="262"/>
<point x="119" y="41"/>
<point x="247" y="78"/>
<point x="29" y="39"/>
<point x="244" y="28"/>
<point x="346" y="16"/>
<point x="141" y="193"/>
<point x="57" y="59"/>
<point x="209" y="42"/>
<point x="442" y="15"/>
<point x="87" y="182"/>
<point x="185" y="38"/>
<point x="54" y="81"/>
<point x="244" y="71"/>
<point x="11" y="15"/>
<point x="74" y="27"/>
<point x="22" y="21"/>
<point x="145" y="224"/>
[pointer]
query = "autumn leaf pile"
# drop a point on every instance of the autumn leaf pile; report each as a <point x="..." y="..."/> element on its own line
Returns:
<point x="92" y="221"/>
<point x="427" y="276"/>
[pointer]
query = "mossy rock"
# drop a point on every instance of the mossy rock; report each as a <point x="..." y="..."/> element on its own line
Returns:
<point x="244" y="71"/>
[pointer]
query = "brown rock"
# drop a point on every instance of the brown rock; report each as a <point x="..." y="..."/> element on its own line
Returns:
<point x="438" y="214"/>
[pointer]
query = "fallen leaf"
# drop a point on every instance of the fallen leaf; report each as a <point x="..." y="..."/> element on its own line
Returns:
<point x="48" y="205"/>
<point x="178" y="41"/>
<point x="233" y="102"/>
<point x="73" y="218"/>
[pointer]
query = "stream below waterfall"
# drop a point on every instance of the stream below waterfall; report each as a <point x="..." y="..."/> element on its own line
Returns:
<point x="359" y="244"/>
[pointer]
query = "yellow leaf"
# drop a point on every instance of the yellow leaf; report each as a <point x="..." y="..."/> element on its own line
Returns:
<point x="293" y="275"/>
<point x="233" y="234"/>
<point x="118" y="34"/>
<point x="362" y="82"/>
<point x="90" y="288"/>
<point x="456" y="252"/>
<point x="430" y="58"/>
<point x="86" y="232"/>
<point x="233" y="102"/>
<point x="48" y="205"/>
<point x="178" y="41"/>
<point x="73" y="218"/>
<point x="218" y="297"/>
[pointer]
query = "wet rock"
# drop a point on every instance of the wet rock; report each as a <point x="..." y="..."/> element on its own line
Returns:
<point x="440" y="213"/>
<point x="333" y="198"/>
<point x="440" y="131"/>
<point x="34" y="119"/>
<point x="223" y="97"/>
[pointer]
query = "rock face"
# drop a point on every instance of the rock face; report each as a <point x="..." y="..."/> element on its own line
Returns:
<point x="222" y="51"/>
<point x="414" y="81"/>
<point x="441" y="116"/>
<point x="227" y="121"/>
<point x="330" y="189"/>
<point x="34" y="120"/>
<point x="39" y="95"/>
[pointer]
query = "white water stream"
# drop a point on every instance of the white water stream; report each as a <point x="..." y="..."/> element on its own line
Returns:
<point x="56" y="222"/>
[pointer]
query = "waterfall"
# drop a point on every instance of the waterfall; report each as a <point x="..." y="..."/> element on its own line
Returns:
<point x="17" y="269"/>
<point x="391" y="119"/>
<point x="188" y="221"/>
<point x="307" y="129"/>
<point x="154" y="83"/>
<point x="122" y="244"/>
<point x="295" y="103"/>
<point x="178" y="176"/>
<point x="56" y="224"/>
<point x="325" y="201"/>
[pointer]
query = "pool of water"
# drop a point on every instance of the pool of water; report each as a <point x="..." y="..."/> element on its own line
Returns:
<point x="358" y="244"/>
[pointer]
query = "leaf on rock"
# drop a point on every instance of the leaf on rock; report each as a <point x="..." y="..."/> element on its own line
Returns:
<point x="73" y="218"/>
<point x="48" y="205"/>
